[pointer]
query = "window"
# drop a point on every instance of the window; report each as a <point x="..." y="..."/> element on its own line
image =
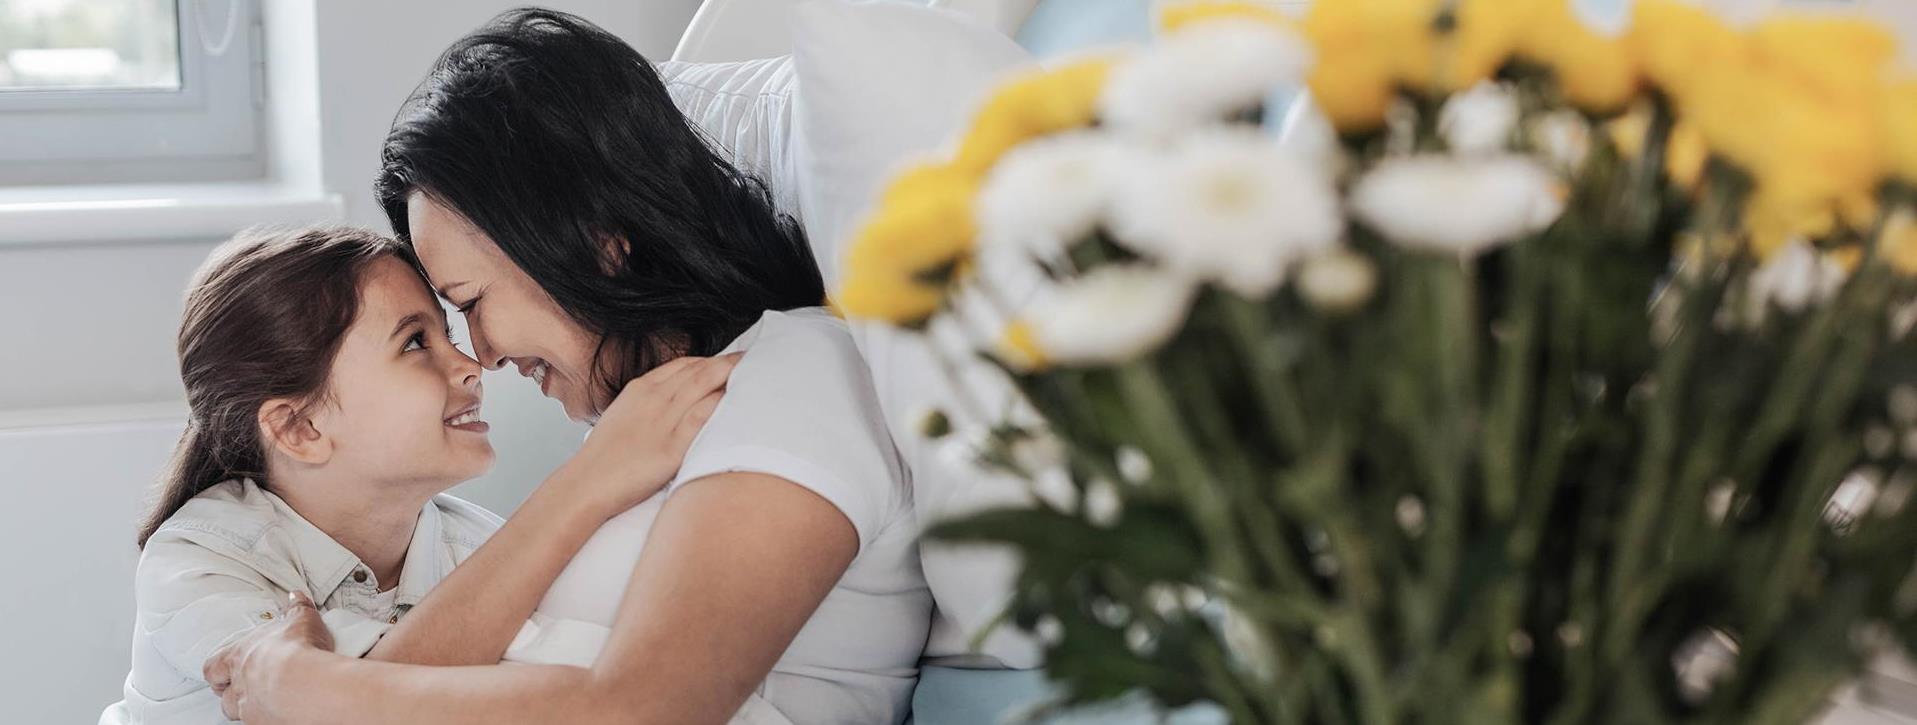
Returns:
<point x="129" y="91"/>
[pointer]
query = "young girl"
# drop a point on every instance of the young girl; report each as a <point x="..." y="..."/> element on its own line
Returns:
<point x="329" y="410"/>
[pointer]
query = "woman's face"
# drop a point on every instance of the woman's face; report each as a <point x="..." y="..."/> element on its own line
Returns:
<point x="510" y="318"/>
<point x="403" y="400"/>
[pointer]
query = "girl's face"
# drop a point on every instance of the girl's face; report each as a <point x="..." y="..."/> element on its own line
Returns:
<point x="404" y="401"/>
<point x="511" y="319"/>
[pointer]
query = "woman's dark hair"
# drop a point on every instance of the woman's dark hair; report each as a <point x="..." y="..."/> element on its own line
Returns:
<point x="264" y="317"/>
<point x="558" y="141"/>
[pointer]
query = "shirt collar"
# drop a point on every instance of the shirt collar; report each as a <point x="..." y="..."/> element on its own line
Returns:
<point x="426" y="558"/>
<point x="326" y="564"/>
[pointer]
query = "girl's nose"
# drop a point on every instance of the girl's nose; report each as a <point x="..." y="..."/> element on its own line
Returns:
<point x="463" y="370"/>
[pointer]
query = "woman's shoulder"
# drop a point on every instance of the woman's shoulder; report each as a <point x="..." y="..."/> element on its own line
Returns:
<point x="800" y="405"/>
<point x="810" y="333"/>
<point x="801" y="363"/>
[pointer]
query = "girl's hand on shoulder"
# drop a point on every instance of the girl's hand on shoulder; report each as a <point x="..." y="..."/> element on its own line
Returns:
<point x="642" y="436"/>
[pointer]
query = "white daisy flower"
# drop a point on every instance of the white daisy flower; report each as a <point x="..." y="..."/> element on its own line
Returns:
<point x="1050" y="192"/>
<point x="1338" y="281"/>
<point x="1103" y="505"/>
<point x="1454" y="205"/>
<point x="1304" y="130"/>
<point x="1794" y="278"/>
<point x="1479" y="120"/>
<point x="1201" y="74"/>
<point x="1229" y="206"/>
<point x="1111" y="314"/>
<point x="1565" y="139"/>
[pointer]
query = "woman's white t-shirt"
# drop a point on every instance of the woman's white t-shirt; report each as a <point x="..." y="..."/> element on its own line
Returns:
<point x="800" y="406"/>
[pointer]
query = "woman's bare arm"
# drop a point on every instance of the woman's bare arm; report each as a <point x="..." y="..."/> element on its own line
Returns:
<point x="735" y="565"/>
<point x="634" y="450"/>
<point x="510" y="573"/>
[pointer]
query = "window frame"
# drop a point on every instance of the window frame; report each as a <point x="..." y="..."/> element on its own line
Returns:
<point x="209" y="128"/>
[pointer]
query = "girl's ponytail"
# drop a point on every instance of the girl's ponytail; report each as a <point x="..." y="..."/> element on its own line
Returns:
<point x="264" y="317"/>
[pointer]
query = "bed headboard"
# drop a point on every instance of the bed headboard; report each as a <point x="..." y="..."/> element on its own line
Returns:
<point x="725" y="30"/>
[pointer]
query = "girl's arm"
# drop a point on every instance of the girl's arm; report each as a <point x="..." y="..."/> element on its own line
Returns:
<point x="734" y="566"/>
<point x="633" y="452"/>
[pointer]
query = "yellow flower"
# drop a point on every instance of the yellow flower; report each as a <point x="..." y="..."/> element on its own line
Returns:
<point x="1019" y="349"/>
<point x="1797" y="103"/>
<point x="931" y="180"/>
<point x="1367" y="49"/>
<point x="1178" y="15"/>
<point x="1775" y="220"/>
<point x="922" y="229"/>
<point x="1680" y="45"/>
<point x="1035" y="104"/>
<point x="1901" y="116"/>
<point x="870" y="294"/>
<point x="1627" y="132"/>
<point x="1848" y="257"/>
<point x="1597" y="73"/>
<point x="1685" y="153"/>
<point x="1487" y="34"/>
<point x="1834" y="58"/>
<point x="1685" y="156"/>
<point x="919" y="233"/>
<point x="1898" y="246"/>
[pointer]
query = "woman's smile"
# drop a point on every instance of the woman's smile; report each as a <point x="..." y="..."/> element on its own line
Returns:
<point x="537" y="369"/>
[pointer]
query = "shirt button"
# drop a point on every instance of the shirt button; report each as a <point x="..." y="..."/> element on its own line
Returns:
<point x="359" y="575"/>
<point x="394" y="620"/>
<point x="266" y="616"/>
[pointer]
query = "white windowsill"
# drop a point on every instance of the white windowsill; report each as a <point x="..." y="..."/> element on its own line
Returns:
<point x="124" y="213"/>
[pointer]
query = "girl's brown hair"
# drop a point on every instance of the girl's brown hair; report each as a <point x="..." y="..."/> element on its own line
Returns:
<point x="264" y="317"/>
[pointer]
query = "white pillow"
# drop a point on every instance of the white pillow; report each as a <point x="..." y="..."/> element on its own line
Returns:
<point x="881" y="84"/>
<point x="745" y="108"/>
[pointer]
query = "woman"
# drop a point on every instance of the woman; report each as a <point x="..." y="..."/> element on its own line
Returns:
<point x="555" y="196"/>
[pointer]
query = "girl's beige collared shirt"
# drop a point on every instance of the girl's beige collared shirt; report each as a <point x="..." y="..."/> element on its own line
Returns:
<point x="225" y="563"/>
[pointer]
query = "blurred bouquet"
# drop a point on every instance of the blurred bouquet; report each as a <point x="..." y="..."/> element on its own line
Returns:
<point x="1483" y="361"/>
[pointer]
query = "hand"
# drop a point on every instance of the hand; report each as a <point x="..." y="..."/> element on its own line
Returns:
<point x="642" y="436"/>
<point x="243" y="673"/>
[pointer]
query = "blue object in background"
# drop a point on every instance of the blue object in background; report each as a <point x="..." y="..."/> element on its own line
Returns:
<point x="1056" y="27"/>
<point x="951" y="696"/>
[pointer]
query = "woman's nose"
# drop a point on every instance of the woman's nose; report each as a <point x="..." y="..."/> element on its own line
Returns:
<point x="483" y="352"/>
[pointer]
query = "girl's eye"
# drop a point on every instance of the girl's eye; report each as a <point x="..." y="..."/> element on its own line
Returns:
<point x="450" y="338"/>
<point x="416" y="342"/>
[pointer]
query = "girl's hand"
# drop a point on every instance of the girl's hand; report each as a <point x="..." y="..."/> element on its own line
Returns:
<point x="642" y="436"/>
<point x="244" y="673"/>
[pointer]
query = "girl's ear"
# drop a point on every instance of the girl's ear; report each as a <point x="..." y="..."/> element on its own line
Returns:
<point x="284" y="428"/>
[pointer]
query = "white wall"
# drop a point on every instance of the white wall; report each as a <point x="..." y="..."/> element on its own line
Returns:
<point x="86" y="333"/>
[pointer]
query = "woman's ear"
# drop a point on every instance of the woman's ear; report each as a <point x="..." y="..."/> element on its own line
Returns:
<point x="612" y="253"/>
<point x="285" y="428"/>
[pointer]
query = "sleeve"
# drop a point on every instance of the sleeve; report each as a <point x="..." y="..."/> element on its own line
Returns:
<point x="466" y="524"/>
<point x="800" y="406"/>
<point x="193" y="601"/>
